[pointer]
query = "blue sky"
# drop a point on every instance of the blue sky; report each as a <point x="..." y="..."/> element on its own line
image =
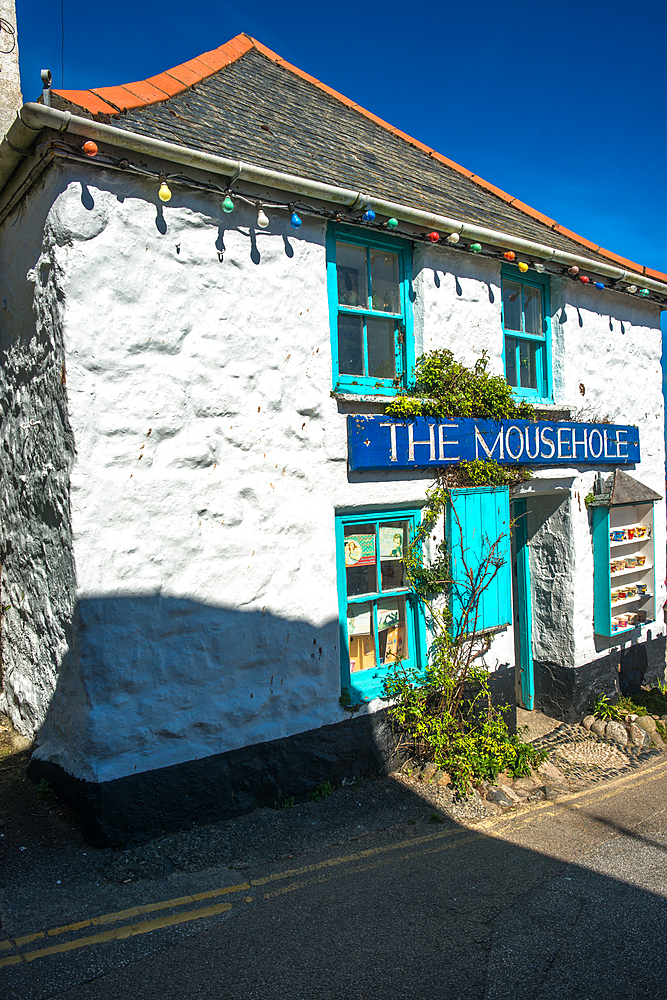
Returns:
<point x="562" y="105"/>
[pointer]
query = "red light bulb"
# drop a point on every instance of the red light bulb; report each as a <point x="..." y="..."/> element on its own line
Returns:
<point x="509" y="255"/>
<point x="583" y="279"/>
<point x="433" y="237"/>
<point x="90" y="148"/>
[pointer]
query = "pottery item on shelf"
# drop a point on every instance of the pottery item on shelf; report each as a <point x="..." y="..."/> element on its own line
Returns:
<point x="640" y="560"/>
<point x="617" y="536"/>
<point x="641" y="589"/>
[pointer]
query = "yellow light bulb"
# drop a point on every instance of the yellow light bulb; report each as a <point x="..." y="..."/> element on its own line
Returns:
<point x="164" y="194"/>
<point x="523" y="267"/>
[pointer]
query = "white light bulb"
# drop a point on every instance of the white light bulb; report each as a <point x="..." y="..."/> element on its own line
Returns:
<point x="632" y="289"/>
<point x="540" y="268"/>
<point x="453" y="238"/>
<point x="262" y="218"/>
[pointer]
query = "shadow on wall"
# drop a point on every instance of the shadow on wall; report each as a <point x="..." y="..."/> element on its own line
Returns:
<point x="190" y="701"/>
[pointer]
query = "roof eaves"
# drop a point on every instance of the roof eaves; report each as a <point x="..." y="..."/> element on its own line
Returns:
<point x="158" y="88"/>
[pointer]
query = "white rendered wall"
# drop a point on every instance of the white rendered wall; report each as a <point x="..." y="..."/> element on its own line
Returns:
<point x="211" y="460"/>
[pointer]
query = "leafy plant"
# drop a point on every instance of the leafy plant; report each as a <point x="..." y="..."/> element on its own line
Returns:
<point x="444" y="387"/>
<point x="287" y="803"/>
<point x="322" y="791"/>
<point x="44" y="791"/>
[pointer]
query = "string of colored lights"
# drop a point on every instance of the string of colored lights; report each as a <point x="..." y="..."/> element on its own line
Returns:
<point x="230" y="196"/>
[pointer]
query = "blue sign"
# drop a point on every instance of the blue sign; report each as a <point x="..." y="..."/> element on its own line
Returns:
<point x="378" y="442"/>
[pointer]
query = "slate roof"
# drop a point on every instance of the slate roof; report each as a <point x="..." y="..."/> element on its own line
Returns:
<point x="242" y="101"/>
<point x="621" y="488"/>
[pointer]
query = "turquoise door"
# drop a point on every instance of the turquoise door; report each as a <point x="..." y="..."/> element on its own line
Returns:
<point x="523" y="616"/>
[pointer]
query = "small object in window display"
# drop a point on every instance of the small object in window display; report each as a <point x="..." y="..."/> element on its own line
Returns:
<point x="617" y="536"/>
<point x="583" y="279"/>
<point x="642" y="532"/>
<point x="262" y="217"/>
<point x="453" y="238"/>
<point x="368" y="216"/>
<point x="295" y="221"/>
<point x="90" y="148"/>
<point x="523" y="267"/>
<point x="228" y="204"/>
<point x="644" y="292"/>
<point x="476" y="247"/>
<point x="599" y="284"/>
<point x="641" y="589"/>
<point x="509" y="255"/>
<point x="631" y="592"/>
<point x="640" y="560"/>
<point x="574" y="270"/>
<point x="622" y="621"/>
<point x="632" y="289"/>
<point x="392" y="223"/>
<point x="433" y="237"/>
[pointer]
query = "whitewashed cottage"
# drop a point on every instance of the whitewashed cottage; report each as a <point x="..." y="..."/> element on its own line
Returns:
<point x="212" y="281"/>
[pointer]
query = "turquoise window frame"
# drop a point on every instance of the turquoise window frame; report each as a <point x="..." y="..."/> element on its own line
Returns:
<point x="404" y="337"/>
<point x="363" y="685"/>
<point x="543" y="394"/>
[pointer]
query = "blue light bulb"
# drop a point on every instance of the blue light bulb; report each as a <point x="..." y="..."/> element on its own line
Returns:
<point x="369" y="215"/>
<point x="598" y="284"/>
<point x="295" y="221"/>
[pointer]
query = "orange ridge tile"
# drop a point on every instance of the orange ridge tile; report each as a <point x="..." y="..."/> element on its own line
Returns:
<point x="658" y="275"/>
<point x="146" y="91"/>
<point x="120" y="98"/>
<point x="169" y="85"/>
<point x="86" y="99"/>
<point x="623" y="261"/>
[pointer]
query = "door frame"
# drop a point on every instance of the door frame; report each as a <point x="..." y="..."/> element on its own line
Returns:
<point x="523" y="612"/>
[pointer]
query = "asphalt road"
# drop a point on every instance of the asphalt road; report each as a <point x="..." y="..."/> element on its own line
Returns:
<point x="559" y="900"/>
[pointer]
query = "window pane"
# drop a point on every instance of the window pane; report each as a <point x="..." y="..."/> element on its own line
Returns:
<point x="385" y="295"/>
<point x="528" y="364"/>
<point x="393" y="540"/>
<point x="360" y="564"/>
<point x="511" y="305"/>
<point x="361" y="636"/>
<point x="392" y="633"/>
<point x="510" y="360"/>
<point x="352" y="275"/>
<point x="381" y="348"/>
<point x="350" y="344"/>
<point x="532" y="307"/>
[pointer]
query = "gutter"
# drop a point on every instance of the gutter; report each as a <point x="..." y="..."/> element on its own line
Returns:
<point x="33" y="118"/>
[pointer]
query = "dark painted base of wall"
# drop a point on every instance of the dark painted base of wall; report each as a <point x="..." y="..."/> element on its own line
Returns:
<point x="230" y="784"/>
<point x="225" y="785"/>
<point x="570" y="693"/>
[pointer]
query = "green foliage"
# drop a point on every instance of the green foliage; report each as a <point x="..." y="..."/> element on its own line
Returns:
<point x="345" y="701"/>
<point x="488" y="472"/>
<point x="44" y="791"/>
<point x="287" y="803"/>
<point x="469" y="740"/>
<point x="604" y="709"/>
<point x="444" y="387"/>
<point x="589" y="499"/>
<point x="322" y="791"/>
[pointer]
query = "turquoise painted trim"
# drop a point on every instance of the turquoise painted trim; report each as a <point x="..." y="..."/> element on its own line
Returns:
<point x="541" y="282"/>
<point x="524" y="604"/>
<point x="405" y="353"/>
<point x="601" y="573"/>
<point x="476" y="519"/>
<point x="365" y="685"/>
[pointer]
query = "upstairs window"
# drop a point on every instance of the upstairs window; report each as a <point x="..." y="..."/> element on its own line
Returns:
<point x="371" y="328"/>
<point x="527" y="332"/>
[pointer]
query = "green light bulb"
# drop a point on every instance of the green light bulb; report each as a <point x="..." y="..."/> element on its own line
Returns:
<point x="228" y="204"/>
<point x="477" y="247"/>
<point x="392" y="224"/>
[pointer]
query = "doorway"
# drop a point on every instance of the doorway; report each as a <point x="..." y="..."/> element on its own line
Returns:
<point x="522" y="608"/>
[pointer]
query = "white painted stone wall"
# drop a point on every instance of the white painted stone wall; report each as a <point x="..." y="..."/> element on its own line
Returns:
<point x="10" y="79"/>
<point x="211" y="460"/>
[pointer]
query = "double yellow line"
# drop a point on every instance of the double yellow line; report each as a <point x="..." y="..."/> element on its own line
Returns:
<point x="321" y="871"/>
